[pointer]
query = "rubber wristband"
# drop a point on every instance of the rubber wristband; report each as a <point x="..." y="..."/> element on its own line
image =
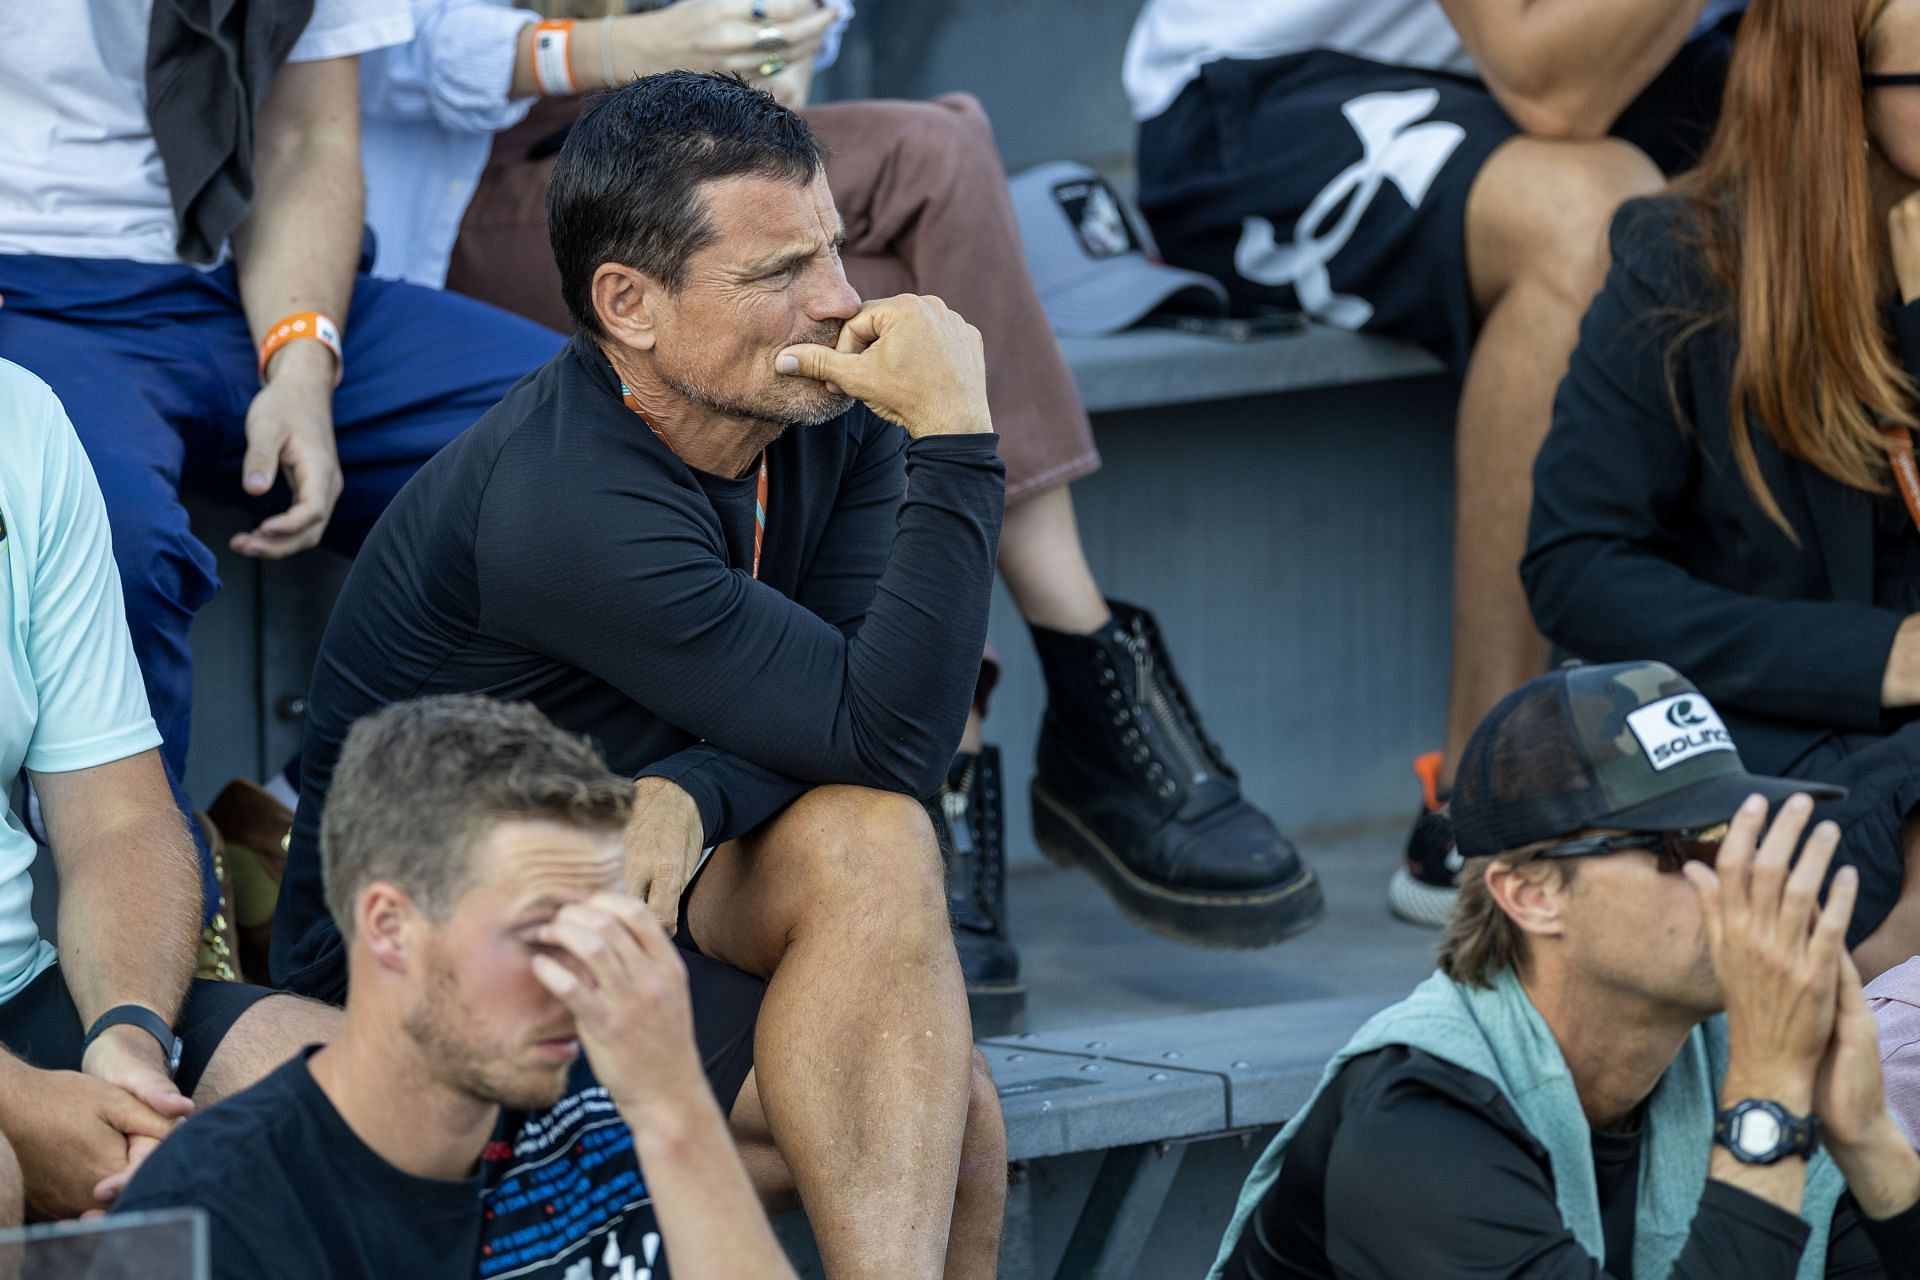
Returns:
<point x="552" y="57"/>
<point x="304" y="324"/>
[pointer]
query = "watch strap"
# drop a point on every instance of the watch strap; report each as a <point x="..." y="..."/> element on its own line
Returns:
<point x="1799" y="1135"/>
<point x="138" y="1015"/>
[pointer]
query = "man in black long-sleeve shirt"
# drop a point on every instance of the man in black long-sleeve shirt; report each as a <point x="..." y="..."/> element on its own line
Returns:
<point x="1546" y="1104"/>
<point x="766" y="601"/>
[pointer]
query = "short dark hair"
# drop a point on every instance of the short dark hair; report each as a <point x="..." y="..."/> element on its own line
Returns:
<point x="626" y="188"/>
<point x="419" y="783"/>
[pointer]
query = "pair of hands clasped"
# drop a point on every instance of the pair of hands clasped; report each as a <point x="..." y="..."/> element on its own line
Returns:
<point x="1799" y="1029"/>
<point x="80" y="1135"/>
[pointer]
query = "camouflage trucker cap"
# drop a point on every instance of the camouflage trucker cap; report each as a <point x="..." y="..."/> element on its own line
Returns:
<point x="1629" y="745"/>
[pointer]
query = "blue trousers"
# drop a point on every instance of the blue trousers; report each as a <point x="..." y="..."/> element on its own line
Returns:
<point x="156" y="367"/>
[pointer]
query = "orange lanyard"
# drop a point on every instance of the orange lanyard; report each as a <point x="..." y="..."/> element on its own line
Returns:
<point x="759" y="491"/>
<point x="1898" y="442"/>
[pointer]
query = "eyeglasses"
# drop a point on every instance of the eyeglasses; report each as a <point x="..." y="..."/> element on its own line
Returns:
<point x="1889" y="80"/>
<point x="1671" y="850"/>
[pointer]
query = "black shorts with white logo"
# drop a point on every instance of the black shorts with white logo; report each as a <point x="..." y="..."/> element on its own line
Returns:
<point x="1338" y="186"/>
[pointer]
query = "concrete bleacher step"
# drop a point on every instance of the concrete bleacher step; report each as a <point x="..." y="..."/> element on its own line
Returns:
<point x="1057" y="1101"/>
<point x="1258" y="1065"/>
<point x="1101" y="1120"/>
<point x="1144" y="368"/>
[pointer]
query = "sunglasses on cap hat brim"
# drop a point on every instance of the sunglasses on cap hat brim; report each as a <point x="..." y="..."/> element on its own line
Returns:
<point x="1671" y="850"/>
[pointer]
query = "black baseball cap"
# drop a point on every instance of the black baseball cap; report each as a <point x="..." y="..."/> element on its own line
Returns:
<point x="1629" y="745"/>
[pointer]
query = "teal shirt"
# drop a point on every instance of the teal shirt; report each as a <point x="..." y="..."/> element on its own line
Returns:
<point x="70" y="690"/>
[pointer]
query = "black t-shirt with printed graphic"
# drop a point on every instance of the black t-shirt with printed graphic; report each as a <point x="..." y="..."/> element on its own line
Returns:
<point x="291" y="1193"/>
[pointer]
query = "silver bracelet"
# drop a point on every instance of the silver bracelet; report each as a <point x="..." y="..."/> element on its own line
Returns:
<point x="606" y="49"/>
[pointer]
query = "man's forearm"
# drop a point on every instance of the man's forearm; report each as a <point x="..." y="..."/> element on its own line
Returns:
<point x="709" y="1215"/>
<point x="1883" y="1173"/>
<point x="129" y="917"/>
<point x="1568" y="68"/>
<point x="129" y="885"/>
<point x="299" y="245"/>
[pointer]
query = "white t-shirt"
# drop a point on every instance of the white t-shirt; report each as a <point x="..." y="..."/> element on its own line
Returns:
<point x="1173" y="39"/>
<point x="80" y="176"/>
<point x="70" y="690"/>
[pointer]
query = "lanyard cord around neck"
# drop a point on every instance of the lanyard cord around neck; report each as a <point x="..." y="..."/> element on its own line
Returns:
<point x="759" y="490"/>
<point x="1898" y="442"/>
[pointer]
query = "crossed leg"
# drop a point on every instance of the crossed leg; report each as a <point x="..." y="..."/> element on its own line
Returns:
<point x="867" y="1081"/>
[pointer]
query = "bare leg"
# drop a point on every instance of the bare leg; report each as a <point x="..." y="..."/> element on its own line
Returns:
<point x="766" y="1167"/>
<point x="973" y="1242"/>
<point x="980" y="1202"/>
<point x="970" y="738"/>
<point x="13" y="1190"/>
<point x="1537" y="220"/>
<point x="1896" y="939"/>
<point x="1045" y="568"/>
<point x="864" y="1049"/>
<point x="262" y="1038"/>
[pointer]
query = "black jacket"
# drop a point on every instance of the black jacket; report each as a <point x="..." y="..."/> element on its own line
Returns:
<point x="1646" y="543"/>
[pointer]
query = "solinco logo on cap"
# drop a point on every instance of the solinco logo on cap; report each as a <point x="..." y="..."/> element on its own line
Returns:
<point x="1096" y="217"/>
<point x="1678" y="728"/>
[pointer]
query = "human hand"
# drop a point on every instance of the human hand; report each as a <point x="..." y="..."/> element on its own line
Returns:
<point x="130" y="1058"/>
<point x="1849" y="1094"/>
<point x="1879" y="1163"/>
<point x="664" y="839"/>
<point x="290" y="428"/>
<point x="1903" y="235"/>
<point x="910" y="359"/>
<point x="717" y="35"/>
<point x="626" y="986"/>
<point x="1775" y="951"/>
<point x="78" y="1140"/>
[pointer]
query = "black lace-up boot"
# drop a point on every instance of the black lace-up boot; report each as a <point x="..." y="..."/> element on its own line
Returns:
<point x="1128" y="785"/>
<point x="969" y="817"/>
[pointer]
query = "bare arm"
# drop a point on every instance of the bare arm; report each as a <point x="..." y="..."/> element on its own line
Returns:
<point x="613" y="967"/>
<point x="296" y="252"/>
<point x="1568" y="68"/>
<point x="692" y="35"/>
<point x="129" y="918"/>
<point x="129" y="885"/>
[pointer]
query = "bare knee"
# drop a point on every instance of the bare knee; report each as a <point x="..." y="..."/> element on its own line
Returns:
<point x="871" y="851"/>
<point x="1540" y="211"/>
<point x="261" y="1039"/>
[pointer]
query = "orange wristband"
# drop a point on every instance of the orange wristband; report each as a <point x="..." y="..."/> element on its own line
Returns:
<point x="552" y="57"/>
<point x="304" y="324"/>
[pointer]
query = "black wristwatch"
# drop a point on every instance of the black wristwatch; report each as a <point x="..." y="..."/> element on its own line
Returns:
<point x="1762" y="1132"/>
<point x="147" y="1020"/>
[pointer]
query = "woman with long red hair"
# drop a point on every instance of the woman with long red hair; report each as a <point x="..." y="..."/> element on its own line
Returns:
<point x="1722" y="487"/>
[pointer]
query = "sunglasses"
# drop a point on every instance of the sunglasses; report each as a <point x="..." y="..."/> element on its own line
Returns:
<point x="1889" y="80"/>
<point x="1671" y="850"/>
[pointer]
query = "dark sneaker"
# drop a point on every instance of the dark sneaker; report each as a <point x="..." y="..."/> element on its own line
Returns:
<point x="1127" y="784"/>
<point x="969" y="817"/>
<point x="1422" y="889"/>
